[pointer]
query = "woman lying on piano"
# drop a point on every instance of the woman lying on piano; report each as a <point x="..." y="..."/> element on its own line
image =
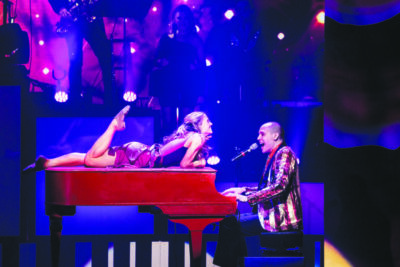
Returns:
<point x="185" y="147"/>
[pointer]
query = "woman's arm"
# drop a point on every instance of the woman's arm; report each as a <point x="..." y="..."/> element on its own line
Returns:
<point x="195" y="143"/>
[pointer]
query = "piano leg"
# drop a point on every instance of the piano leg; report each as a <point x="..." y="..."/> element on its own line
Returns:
<point x="196" y="227"/>
<point x="55" y="238"/>
<point x="55" y="213"/>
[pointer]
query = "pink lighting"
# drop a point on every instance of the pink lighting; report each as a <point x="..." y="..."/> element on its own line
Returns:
<point x="41" y="42"/>
<point x="46" y="71"/>
<point x="229" y="14"/>
<point x="321" y="17"/>
<point x="61" y="96"/>
<point x="37" y="16"/>
<point x="280" y="35"/>
<point x="129" y="96"/>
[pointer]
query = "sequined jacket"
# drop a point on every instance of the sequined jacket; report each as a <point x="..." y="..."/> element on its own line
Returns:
<point x="278" y="195"/>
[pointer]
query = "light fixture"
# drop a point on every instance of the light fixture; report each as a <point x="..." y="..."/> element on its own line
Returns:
<point x="129" y="96"/>
<point x="229" y="14"/>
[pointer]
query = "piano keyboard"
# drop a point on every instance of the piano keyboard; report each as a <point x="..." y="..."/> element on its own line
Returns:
<point x="83" y="253"/>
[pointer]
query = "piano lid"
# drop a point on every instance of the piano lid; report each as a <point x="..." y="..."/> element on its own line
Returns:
<point x="190" y="191"/>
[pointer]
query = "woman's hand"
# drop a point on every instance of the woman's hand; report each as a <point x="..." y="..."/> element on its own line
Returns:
<point x="201" y="163"/>
<point x="206" y="137"/>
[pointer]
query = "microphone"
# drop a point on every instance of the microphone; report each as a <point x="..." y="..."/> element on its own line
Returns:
<point x="243" y="153"/>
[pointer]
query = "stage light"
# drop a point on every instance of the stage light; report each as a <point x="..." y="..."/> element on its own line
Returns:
<point x="41" y="42"/>
<point x="37" y="16"/>
<point x="61" y="93"/>
<point x="229" y="14"/>
<point x="208" y="62"/>
<point x="154" y="9"/>
<point x="197" y="28"/>
<point x="218" y="101"/>
<point x="213" y="160"/>
<point x="61" y="96"/>
<point x="334" y="257"/>
<point x="46" y="71"/>
<point x="321" y="17"/>
<point x="129" y="96"/>
<point x="280" y="35"/>
<point x="132" y="48"/>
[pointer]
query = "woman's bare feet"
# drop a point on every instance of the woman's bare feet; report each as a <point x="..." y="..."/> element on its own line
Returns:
<point x="119" y="119"/>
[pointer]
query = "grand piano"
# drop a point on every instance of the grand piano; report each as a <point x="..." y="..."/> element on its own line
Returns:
<point x="186" y="196"/>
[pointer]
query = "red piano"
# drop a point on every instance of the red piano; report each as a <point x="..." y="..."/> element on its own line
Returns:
<point x="186" y="196"/>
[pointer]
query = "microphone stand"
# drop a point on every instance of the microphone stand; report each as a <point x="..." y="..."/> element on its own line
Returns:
<point x="238" y="167"/>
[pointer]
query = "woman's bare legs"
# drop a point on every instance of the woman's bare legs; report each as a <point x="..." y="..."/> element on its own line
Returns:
<point x="42" y="163"/>
<point x="97" y="155"/>
<point x="71" y="159"/>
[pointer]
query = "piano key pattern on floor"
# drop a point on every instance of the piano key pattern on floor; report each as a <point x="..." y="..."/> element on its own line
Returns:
<point x="88" y="251"/>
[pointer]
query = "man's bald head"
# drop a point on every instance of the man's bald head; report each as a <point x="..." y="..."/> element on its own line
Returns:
<point x="270" y="136"/>
<point x="274" y="127"/>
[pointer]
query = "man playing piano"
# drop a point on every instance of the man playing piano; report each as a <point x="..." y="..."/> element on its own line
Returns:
<point x="185" y="147"/>
<point x="277" y="198"/>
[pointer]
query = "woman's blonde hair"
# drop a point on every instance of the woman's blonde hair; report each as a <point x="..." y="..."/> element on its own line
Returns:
<point x="191" y="123"/>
